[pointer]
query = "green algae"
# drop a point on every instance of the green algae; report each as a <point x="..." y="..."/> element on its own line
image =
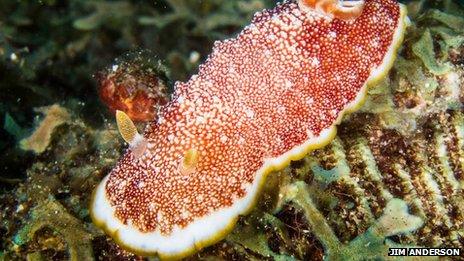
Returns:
<point x="104" y="13"/>
<point x="13" y="128"/>
<point x="36" y="256"/>
<point x="449" y="39"/>
<point x="424" y="49"/>
<point x="374" y="237"/>
<point x="74" y="159"/>
<point x="445" y="30"/>
<point x="452" y="21"/>
<point x="327" y="176"/>
<point x="51" y="214"/>
<point x="256" y="242"/>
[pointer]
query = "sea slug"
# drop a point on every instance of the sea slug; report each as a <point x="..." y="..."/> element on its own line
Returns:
<point x="260" y="100"/>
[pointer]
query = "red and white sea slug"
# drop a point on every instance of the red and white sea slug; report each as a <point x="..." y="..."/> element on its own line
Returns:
<point x="260" y="100"/>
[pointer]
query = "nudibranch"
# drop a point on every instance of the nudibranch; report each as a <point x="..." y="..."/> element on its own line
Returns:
<point x="260" y="100"/>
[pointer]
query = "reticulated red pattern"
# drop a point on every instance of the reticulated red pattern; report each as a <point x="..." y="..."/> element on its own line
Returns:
<point x="284" y="79"/>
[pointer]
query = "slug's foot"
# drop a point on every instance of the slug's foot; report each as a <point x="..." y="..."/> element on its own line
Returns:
<point x="344" y="10"/>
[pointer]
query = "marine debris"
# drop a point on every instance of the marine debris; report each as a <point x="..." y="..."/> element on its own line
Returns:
<point x="262" y="99"/>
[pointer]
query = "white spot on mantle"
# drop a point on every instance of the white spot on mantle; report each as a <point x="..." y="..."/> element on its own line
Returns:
<point x="249" y="113"/>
